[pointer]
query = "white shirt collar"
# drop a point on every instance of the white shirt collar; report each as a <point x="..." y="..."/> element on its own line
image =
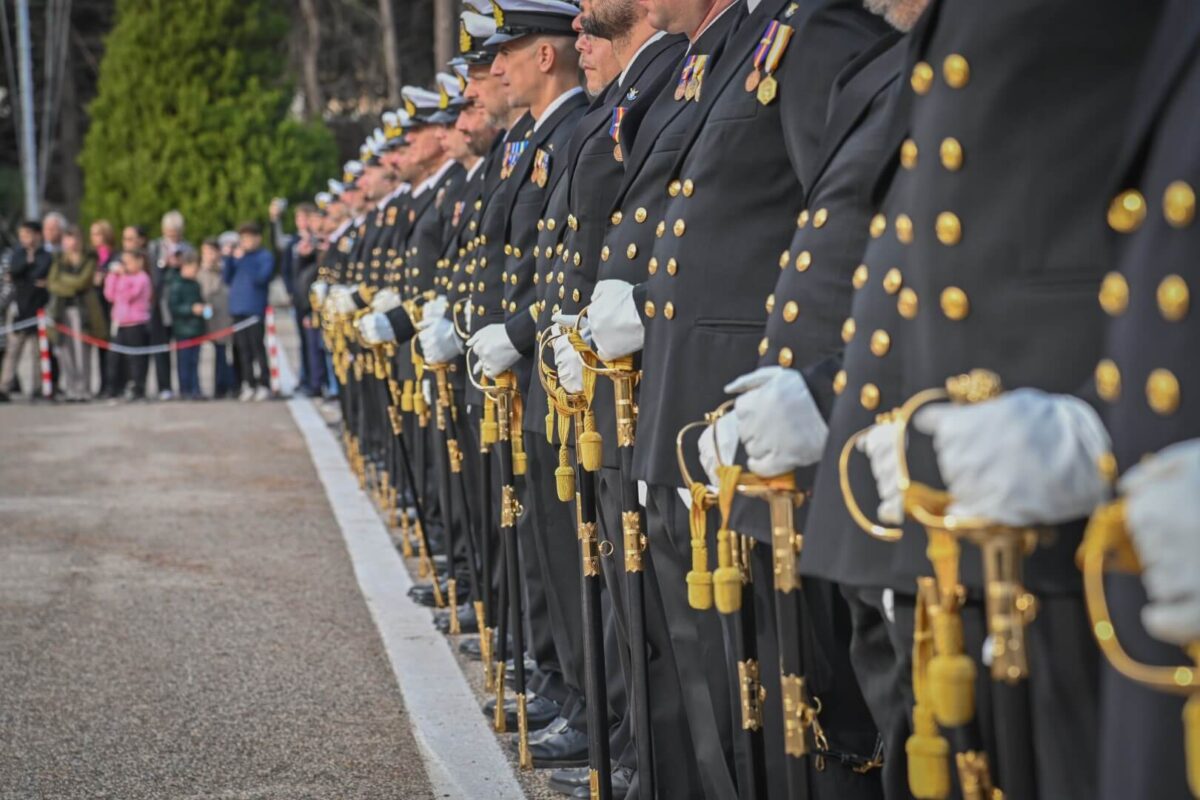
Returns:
<point x="558" y="101"/>
<point x="657" y="35"/>
<point x="475" y="168"/>
<point x="435" y="177"/>
<point x="711" y="22"/>
<point x="337" y="233"/>
<point x="390" y="196"/>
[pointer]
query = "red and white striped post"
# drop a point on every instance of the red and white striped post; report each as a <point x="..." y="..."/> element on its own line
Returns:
<point x="44" y="354"/>
<point x="272" y="349"/>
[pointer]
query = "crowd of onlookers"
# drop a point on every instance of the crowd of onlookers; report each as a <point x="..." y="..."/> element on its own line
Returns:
<point x="146" y="294"/>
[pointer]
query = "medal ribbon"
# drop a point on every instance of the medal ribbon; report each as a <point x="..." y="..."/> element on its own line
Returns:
<point x="764" y="44"/>
<point x="614" y="130"/>
<point x="780" y="37"/>
<point x="687" y="71"/>
<point x="701" y="63"/>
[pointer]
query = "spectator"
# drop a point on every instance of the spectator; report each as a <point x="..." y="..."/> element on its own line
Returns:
<point x="53" y="226"/>
<point x="248" y="271"/>
<point x="73" y="304"/>
<point x="129" y="290"/>
<point x="103" y="244"/>
<point x="188" y="314"/>
<point x="295" y="254"/>
<point x="29" y="270"/>
<point x="166" y="253"/>
<point x="216" y="296"/>
<point x="312" y="350"/>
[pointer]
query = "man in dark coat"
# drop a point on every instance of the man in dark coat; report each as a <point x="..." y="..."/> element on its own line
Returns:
<point x="29" y="268"/>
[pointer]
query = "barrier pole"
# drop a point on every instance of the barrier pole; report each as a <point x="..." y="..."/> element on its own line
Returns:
<point x="44" y="355"/>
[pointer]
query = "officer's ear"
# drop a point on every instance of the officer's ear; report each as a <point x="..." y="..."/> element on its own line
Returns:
<point x="546" y="56"/>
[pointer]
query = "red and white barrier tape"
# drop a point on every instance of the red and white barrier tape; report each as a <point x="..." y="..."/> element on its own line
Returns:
<point x="18" y="326"/>
<point x="151" y="349"/>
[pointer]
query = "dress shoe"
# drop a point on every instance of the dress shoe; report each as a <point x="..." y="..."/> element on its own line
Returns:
<point x="422" y="594"/>
<point x="539" y="711"/>
<point x="510" y="667"/>
<point x="621" y="778"/>
<point x="568" y="748"/>
<point x="555" y="727"/>
<point x="568" y="779"/>
<point x="466" y="619"/>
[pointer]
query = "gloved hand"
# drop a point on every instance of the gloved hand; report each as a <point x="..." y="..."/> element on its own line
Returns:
<point x="385" y="300"/>
<point x="341" y="300"/>
<point x="572" y="321"/>
<point x="493" y="348"/>
<point x="439" y="341"/>
<point x="778" y="420"/>
<point x="1162" y="504"/>
<point x="879" y="445"/>
<point x="374" y="328"/>
<point x="435" y="308"/>
<point x="319" y="291"/>
<point x="1025" y="458"/>
<point x="722" y="434"/>
<point x="569" y="364"/>
<point x="615" y="323"/>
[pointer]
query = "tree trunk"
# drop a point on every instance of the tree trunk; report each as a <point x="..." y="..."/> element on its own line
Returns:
<point x="314" y="99"/>
<point x="445" y="28"/>
<point x="70" y="141"/>
<point x="391" y="57"/>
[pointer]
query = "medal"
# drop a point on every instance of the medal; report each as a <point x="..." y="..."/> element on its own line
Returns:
<point x="767" y="56"/>
<point x="679" y="92"/>
<point x="697" y="80"/>
<point x="617" y="153"/>
<point x="752" y="80"/>
<point x="767" y="90"/>
<point x="685" y="77"/>
<point x="614" y="130"/>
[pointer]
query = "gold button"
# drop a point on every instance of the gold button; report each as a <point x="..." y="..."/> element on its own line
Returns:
<point x="803" y="260"/>
<point x="820" y="217"/>
<point x="839" y="381"/>
<point x="558" y="248"/>
<point x="869" y="396"/>
<point x="763" y="346"/>
<point x="1106" y="465"/>
<point x="673" y="188"/>
<point x="672" y="266"/>
<point x="649" y="308"/>
<point x="616" y="218"/>
<point x="669" y="310"/>
<point x="573" y="222"/>
<point x="908" y="154"/>
<point x="802" y="219"/>
<point x="562" y="276"/>
<point x="892" y="281"/>
<point x="550" y="224"/>
<point x="956" y="71"/>
<point x="954" y="303"/>
<point x="483" y="239"/>
<point x="689" y="187"/>
<point x="1179" y="204"/>
<point x="861" y="273"/>
<point x="878" y="225"/>
<point x="508" y="249"/>
<point x="1162" y="392"/>
<point x="848" y="328"/>
<point x="679" y="227"/>
<point x="907" y="304"/>
<point x="1108" y="380"/>
<point x="1114" y="294"/>
<point x="785" y="357"/>
<point x="770" y="304"/>
<point x="562" y="291"/>
<point x="537" y="251"/>
<point x="631" y="251"/>
<point x="783" y="259"/>
<point x="880" y="343"/>
<point x="1173" y="298"/>
<point x="605" y="253"/>
<point x="512" y="307"/>
<point x="504" y="276"/>
<point x="652" y="265"/>
<point x="661" y="229"/>
<point x="478" y="204"/>
<point x="949" y="229"/>
<point x="952" y="154"/>
<point x="1127" y="211"/>
<point x="639" y="216"/>
<point x="922" y="78"/>
<point x="517" y="252"/>
<point x="791" y="310"/>
<point x="541" y="224"/>
<point x="904" y="228"/>
<point x="536" y="278"/>
<point x="578" y="259"/>
<point x="513" y="280"/>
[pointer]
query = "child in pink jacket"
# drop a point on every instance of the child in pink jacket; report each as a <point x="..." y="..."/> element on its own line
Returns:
<point x="129" y="290"/>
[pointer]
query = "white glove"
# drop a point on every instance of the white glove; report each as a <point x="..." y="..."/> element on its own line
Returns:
<point x="493" y="348"/>
<point x="1162" y="504"/>
<point x="616" y="325"/>
<point x="319" y="290"/>
<point x="341" y="300"/>
<point x="569" y="364"/>
<point x="1025" y="458"/>
<point x="385" y="300"/>
<point x="571" y="321"/>
<point x="439" y="341"/>
<point x="374" y="329"/>
<point x="778" y="420"/>
<point x="722" y="434"/>
<point x="879" y="445"/>
<point x="437" y="307"/>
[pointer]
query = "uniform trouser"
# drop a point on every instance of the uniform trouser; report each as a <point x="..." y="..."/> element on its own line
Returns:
<point x="698" y="646"/>
<point x="1141" y="730"/>
<point x="75" y="355"/>
<point x="1063" y="685"/>
<point x="553" y="550"/>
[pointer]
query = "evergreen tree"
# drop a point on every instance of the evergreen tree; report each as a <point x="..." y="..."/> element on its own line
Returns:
<point x="192" y="113"/>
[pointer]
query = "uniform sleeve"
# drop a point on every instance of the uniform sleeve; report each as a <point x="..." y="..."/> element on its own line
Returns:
<point x="402" y="324"/>
<point x="522" y="331"/>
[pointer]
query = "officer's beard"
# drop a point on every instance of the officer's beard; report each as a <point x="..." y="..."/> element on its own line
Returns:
<point x="610" y="20"/>
<point x="900" y="14"/>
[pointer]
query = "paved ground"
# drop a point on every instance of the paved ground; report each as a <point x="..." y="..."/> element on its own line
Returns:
<point x="178" y="618"/>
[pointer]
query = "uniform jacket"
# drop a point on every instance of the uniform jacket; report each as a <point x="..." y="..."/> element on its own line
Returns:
<point x="430" y="213"/>
<point x="734" y="194"/>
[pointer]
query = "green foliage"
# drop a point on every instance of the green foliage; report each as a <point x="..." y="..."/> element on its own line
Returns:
<point x="192" y="113"/>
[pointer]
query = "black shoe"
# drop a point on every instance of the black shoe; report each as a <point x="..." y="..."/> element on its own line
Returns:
<point x="539" y="712"/>
<point x="621" y="778"/>
<point x="466" y="619"/>
<point x="556" y="726"/>
<point x="422" y="594"/>
<point x="568" y="748"/>
<point x="510" y="667"/>
<point x="568" y="779"/>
